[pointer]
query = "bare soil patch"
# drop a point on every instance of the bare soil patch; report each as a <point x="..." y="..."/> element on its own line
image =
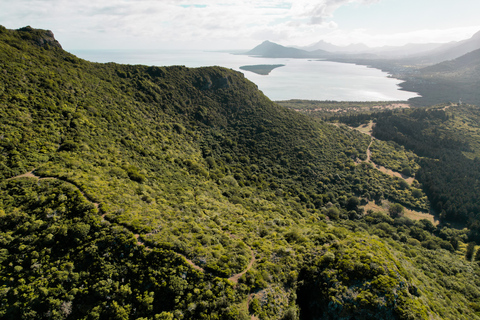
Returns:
<point x="411" y="214"/>
<point x="392" y="173"/>
<point x="393" y="106"/>
<point x="366" y="128"/>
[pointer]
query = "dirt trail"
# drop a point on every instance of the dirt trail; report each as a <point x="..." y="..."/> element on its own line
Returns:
<point x="190" y="262"/>
<point x="369" y="153"/>
<point x="233" y="278"/>
<point x="390" y="172"/>
<point x="237" y="276"/>
<point x="32" y="174"/>
<point x="367" y="129"/>
<point x="25" y="175"/>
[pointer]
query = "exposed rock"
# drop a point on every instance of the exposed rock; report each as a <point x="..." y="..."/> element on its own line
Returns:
<point x="213" y="82"/>
<point x="42" y="38"/>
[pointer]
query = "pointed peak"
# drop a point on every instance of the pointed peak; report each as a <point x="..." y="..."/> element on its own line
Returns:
<point x="40" y="37"/>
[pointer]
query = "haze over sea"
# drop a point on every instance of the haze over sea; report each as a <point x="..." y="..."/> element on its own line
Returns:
<point x="298" y="79"/>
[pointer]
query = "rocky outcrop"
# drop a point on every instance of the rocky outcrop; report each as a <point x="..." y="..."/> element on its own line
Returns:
<point x="42" y="38"/>
<point x="213" y="82"/>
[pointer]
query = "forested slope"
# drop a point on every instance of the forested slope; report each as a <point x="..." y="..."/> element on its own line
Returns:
<point x="448" y="81"/>
<point x="447" y="139"/>
<point x="198" y="164"/>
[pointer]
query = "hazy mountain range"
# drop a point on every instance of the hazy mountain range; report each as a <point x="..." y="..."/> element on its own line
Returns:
<point x="438" y="72"/>
<point x="427" y="53"/>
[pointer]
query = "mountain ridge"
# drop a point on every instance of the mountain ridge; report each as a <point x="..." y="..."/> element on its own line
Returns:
<point x="452" y="50"/>
<point x="422" y="53"/>
<point x="451" y="80"/>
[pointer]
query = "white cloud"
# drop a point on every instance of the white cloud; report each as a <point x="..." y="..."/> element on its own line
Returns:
<point x="318" y="11"/>
<point x="199" y="23"/>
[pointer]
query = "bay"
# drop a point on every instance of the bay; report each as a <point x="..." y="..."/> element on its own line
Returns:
<point x="298" y="79"/>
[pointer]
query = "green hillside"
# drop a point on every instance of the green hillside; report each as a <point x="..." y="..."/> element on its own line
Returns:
<point x="440" y="145"/>
<point x="135" y="192"/>
<point x="449" y="81"/>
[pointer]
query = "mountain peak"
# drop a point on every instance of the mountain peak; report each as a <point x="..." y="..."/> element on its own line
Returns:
<point x="273" y="50"/>
<point x="41" y="38"/>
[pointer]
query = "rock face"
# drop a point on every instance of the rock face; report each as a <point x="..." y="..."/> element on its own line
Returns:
<point x="214" y="81"/>
<point x="42" y="38"/>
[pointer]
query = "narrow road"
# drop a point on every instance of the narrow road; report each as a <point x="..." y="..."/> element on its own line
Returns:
<point x="368" y="130"/>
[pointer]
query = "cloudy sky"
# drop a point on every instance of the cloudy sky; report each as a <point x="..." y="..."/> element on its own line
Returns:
<point x="242" y="24"/>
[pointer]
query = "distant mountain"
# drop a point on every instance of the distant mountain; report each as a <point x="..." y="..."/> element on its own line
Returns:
<point x="380" y="52"/>
<point x="463" y="66"/>
<point x="449" y="80"/>
<point x="269" y="49"/>
<point x="323" y="49"/>
<point x="412" y="53"/>
<point x="450" y="50"/>
<point x="410" y="49"/>
<point x="325" y="46"/>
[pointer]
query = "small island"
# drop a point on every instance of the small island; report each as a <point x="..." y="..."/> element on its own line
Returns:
<point x="262" y="69"/>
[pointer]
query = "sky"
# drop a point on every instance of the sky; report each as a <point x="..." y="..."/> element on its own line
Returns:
<point x="242" y="24"/>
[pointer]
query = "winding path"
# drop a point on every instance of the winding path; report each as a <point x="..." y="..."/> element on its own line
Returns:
<point x="368" y="130"/>
<point x="412" y="214"/>
<point x="369" y="153"/>
<point x="140" y="242"/>
<point x="237" y="276"/>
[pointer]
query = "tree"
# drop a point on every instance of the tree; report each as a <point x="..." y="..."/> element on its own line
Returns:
<point x="477" y="255"/>
<point x="470" y="251"/>
<point x="396" y="210"/>
<point x="353" y="203"/>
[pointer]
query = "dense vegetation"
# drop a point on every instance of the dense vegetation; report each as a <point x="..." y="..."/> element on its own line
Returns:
<point x="441" y="146"/>
<point x="449" y="167"/>
<point x="59" y="261"/>
<point x="265" y="203"/>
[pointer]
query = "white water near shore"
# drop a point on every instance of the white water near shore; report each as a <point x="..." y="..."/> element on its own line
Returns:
<point x="298" y="79"/>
